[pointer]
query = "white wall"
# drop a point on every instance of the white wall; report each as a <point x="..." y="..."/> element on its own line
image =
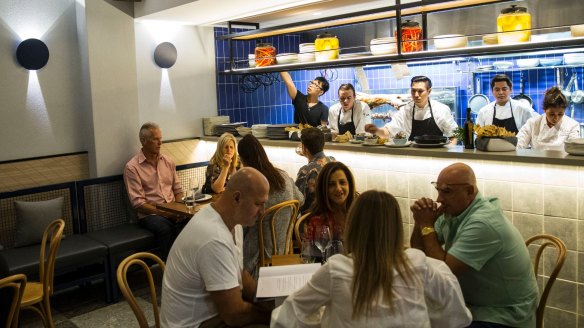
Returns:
<point x="41" y="115"/>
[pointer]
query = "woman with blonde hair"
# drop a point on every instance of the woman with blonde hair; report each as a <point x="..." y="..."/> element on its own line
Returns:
<point x="377" y="283"/>
<point x="222" y="165"/>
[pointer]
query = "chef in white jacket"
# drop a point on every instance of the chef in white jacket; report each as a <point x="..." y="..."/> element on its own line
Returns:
<point x="550" y="130"/>
<point x="349" y="114"/>
<point x="504" y="111"/>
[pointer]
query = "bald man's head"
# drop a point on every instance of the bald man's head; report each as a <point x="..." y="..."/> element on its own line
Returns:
<point x="458" y="173"/>
<point x="244" y="198"/>
<point x="457" y="188"/>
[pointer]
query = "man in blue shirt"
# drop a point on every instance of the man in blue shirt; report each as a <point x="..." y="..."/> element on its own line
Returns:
<point x="483" y="249"/>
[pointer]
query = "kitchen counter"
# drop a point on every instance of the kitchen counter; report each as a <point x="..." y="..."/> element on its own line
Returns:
<point x="521" y="155"/>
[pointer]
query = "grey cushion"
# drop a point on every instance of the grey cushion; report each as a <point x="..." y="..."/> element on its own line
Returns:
<point x="32" y="218"/>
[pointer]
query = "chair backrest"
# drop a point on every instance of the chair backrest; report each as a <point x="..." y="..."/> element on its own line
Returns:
<point x="53" y="234"/>
<point x="297" y="226"/>
<point x="16" y="283"/>
<point x="121" y="276"/>
<point x="547" y="240"/>
<point x="272" y="214"/>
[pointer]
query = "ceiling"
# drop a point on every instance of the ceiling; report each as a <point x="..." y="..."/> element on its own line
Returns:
<point x="266" y="13"/>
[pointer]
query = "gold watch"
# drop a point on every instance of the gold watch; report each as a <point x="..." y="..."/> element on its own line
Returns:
<point x="427" y="230"/>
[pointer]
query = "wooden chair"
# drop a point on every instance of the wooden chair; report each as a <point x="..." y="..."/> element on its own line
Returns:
<point x="17" y="283"/>
<point x="546" y="240"/>
<point x="297" y="226"/>
<point x="138" y="259"/>
<point x="270" y="214"/>
<point x="37" y="294"/>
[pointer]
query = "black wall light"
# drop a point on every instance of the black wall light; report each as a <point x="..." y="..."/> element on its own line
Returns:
<point x="32" y="54"/>
<point x="165" y="55"/>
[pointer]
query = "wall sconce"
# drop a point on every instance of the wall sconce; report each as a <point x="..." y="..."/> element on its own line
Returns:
<point x="32" y="54"/>
<point x="165" y="55"/>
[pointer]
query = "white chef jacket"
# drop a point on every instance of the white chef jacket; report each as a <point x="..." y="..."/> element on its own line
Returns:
<point x="435" y="300"/>
<point x="402" y="121"/>
<point x="521" y="113"/>
<point x="361" y="116"/>
<point x="539" y="135"/>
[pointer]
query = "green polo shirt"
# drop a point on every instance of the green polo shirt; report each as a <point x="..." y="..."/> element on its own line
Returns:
<point x="501" y="285"/>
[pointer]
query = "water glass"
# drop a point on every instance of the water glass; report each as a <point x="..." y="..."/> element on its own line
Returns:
<point x="306" y="251"/>
<point x="190" y="199"/>
<point x="195" y="186"/>
<point x="336" y="248"/>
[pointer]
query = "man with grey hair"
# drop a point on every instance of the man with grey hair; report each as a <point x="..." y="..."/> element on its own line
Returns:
<point x="151" y="179"/>
<point x="204" y="283"/>
<point x="483" y="249"/>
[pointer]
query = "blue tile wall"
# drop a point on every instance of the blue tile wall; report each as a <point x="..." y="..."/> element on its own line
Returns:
<point x="271" y="104"/>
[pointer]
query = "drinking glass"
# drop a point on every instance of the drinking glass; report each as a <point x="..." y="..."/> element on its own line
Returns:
<point x="190" y="199"/>
<point x="195" y="186"/>
<point x="323" y="240"/>
<point x="336" y="248"/>
<point x="306" y="251"/>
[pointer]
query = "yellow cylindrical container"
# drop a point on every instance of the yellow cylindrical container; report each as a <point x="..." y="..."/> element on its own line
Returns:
<point x="514" y="25"/>
<point x="327" y="47"/>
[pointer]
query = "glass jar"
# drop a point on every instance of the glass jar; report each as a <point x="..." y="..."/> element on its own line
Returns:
<point x="326" y="46"/>
<point x="265" y="54"/>
<point x="514" y="25"/>
<point x="411" y="33"/>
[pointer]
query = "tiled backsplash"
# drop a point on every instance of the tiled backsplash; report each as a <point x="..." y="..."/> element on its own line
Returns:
<point x="271" y="104"/>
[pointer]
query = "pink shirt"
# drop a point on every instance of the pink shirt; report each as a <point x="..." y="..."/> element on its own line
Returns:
<point x="148" y="184"/>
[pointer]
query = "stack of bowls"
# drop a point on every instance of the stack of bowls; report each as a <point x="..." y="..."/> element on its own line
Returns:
<point x="383" y="46"/>
<point x="450" y="41"/>
<point x="251" y="60"/>
<point x="574" y="146"/>
<point x="259" y="130"/>
<point x="286" y="58"/>
<point x="574" y="58"/>
<point x="527" y="63"/>
<point x="306" y="52"/>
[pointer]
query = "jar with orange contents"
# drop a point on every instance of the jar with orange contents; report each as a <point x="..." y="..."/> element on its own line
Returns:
<point x="411" y="34"/>
<point x="265" y="54"/>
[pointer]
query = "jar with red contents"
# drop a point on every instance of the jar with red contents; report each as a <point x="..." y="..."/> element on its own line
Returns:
<point x="411" y="34"/>
<point x="265" y="54"/>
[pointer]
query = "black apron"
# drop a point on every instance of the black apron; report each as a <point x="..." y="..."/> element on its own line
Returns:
<point x="424" y="127"/>
<point x="347" y="126"/>
<point x="508" y="123"/>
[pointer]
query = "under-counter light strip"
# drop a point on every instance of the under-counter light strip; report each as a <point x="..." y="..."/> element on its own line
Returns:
<point x="366" y="18"/>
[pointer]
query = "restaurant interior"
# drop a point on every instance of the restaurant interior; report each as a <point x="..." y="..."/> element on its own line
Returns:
<point x="70" y="126"/>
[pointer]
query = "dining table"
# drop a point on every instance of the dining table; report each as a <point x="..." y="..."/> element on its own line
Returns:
<point x="180" y="210"/>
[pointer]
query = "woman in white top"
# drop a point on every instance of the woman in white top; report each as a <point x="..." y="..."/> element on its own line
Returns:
<point x="505" y="112"/>
<point x="349" y="114"/>
<point x="377" y="283"/>
<point x="550" y="130"/>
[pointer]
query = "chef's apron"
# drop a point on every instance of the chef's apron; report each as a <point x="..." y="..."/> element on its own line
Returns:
<point x="508" y="123"/>
<point x="427" y="126"/>
<point x="350" y="126"/>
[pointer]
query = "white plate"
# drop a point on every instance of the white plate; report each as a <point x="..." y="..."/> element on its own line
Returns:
<point x="392" y="145"/>
<point x="354" y="141"/>
<point x="429" y="145"/>
<point x="204" y="198"/>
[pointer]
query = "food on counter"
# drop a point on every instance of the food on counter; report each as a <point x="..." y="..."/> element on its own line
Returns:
<point x="344" y="137"/>
<point x="377" y="100"/>
<point x="400" y="135"/>
<point x="516" y="23"/>
<point x="265" y="54"/>
<point x="492" y="131"/>
<point x="299" y="128"/>
<point x="375" y="140"/>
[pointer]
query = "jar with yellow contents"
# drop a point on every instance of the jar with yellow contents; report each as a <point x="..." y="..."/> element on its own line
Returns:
<point x="514" y="25"/>
<point x="327" y="47"/>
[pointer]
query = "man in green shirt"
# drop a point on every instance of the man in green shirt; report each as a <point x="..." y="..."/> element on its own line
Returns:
<point x="482" y="248"/>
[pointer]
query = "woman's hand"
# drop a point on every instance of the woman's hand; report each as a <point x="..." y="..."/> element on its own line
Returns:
<point x="226" y="161"/>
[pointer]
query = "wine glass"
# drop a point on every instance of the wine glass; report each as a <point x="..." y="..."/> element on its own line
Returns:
<point x="336" y="248"/>
<point x="195" y="187"/>
<point x="323" y="240"/>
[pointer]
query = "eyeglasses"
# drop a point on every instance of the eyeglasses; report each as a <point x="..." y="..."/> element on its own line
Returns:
<point x="314" y="84"/>
<point x="435" y="184"/>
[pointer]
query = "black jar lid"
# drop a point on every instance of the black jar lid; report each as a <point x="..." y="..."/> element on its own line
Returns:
<point x="513" y="10"/>
<point x="325" y="35"/>
<point x="263" y="45"/>
<point x="409" y="23"/>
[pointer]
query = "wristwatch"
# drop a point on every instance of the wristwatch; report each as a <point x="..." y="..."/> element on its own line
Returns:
<point x="427" y="230"/>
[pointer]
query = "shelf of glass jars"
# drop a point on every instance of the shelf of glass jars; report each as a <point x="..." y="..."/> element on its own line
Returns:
<point x="475" y="48"/>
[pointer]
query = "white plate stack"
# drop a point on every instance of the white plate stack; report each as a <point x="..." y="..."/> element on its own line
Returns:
<point x="210" y="122"/>
<point x="383" y="46"/>
<point x="306" y="52"/>
<point x="259" y="130"/>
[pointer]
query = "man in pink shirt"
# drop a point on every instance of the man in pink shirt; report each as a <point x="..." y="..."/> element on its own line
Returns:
<point x="151" y="179"/>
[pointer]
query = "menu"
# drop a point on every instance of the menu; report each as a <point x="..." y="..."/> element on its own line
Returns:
<point x="284" y="280"/>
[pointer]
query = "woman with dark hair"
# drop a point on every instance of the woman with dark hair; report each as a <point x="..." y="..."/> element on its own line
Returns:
<point x="222" y="165"/>
<point x="282" y="188"/>
<point x="335" y="192"/>
<point x="550" y="130"/>
<point x="377" y="283"/>
<point x="349" y="114"/>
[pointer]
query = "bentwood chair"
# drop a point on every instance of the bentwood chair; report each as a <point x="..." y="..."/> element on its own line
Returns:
<point x="297" y="226"/>
<point x="37" y="294"/>
<point x="546" y="240"/>
<point x="271" y="214"/>
<point x="14" y="284"/>
<point x="138" y="259"/>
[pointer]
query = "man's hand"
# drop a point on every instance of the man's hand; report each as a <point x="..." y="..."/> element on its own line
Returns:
<point x="425" y="212"/>
<point x="371" y="128"/>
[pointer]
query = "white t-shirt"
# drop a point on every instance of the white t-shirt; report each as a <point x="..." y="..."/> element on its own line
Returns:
<point x="361" y="116"/>
<point x="434" y="301"/>
<point x="521" y="113"/>
<point x="402" y="121"/>
<point x="203" y="258"/>
<point x="540" y="136"/>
